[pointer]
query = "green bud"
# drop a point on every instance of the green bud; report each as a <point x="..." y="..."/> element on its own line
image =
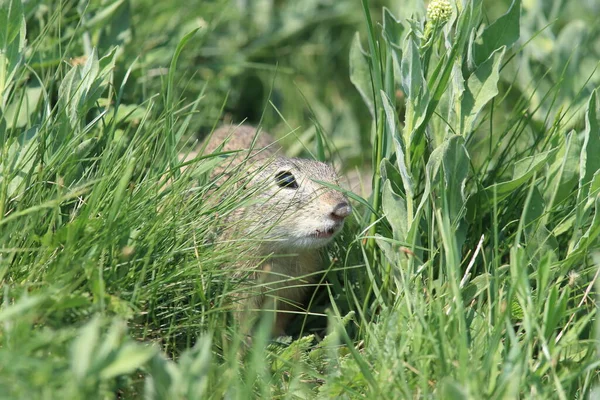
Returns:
<point x="439" y="11"/>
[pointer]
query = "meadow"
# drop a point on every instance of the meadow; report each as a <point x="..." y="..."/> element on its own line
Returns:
<point x="468" y="270"/>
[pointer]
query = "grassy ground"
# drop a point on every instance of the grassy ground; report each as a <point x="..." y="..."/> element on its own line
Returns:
<point x="470" y="272"/>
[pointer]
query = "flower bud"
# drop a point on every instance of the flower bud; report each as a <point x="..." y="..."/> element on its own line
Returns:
<point x="439" y="11"/>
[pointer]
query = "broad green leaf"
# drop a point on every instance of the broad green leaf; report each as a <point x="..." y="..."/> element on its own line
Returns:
<point x="19" y="113"/>
<point x="477" y="285"/>
<point x="543" y="272"/>
<point x="589" y="165"/>
<point x="539" y="240"/>
<point x="413" y="82"/>
<point x="111" y="341"/>
<point x="82" y="87"/>
<point x="89" y="73"/>
<point x="505" y="31"/>
<point x="84" y="346"/>
<point x="20" y="307"/>
<point x="432" y="176"/>
<point x="11" y="20"/>
<point x="449" y="108"/>
<point x="196" y="363"/>
<point x="392" y="28"/>
<point x="129" y="357"/>
<point x="593" y="230"/>
<point x="562" y="175"/>
<point x="125" y="112"/>
<point x="390" y="171"/>
<point x="416" y="91"/>
<point x="526" y="165"/>
<point x="400" y="146"/>
<point x="481" y="87"/>
<point x="12" y="44"/>
<point x="554" y="310"/>
<point x="564" y="226"/>
<point x="450" y="161"/>
<point x="456" y="169"/>
<point x="450" y="196"/>
<point x="102" y="69"/>
<point x="393" y="33"/>
<point x="164" y="377"/>
<point x="360" y="75"/>
<point x="12" y="57"/>
<point x="458" y="87"/>
<point x="594" y="189"/>
<point x="106" y="64"/>
<point x="394" y="209"/>
<point x="67" y="92"/>
<point x="452" y="390"/>
<point x="19" y="161"/>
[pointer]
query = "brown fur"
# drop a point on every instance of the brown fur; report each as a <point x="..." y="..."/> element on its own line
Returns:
<point x="290" y="224"/>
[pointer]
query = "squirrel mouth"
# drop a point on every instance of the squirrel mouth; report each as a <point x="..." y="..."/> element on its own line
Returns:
<point x="325" y="234"/>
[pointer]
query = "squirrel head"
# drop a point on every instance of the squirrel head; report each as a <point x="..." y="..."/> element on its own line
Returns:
<point x="297" y="204"/>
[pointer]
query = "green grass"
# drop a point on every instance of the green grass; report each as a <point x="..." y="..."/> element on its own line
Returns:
<point x="470" y="272"/>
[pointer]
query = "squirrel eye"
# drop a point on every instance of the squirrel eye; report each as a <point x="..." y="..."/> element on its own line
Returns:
<point x="286" y="180"/>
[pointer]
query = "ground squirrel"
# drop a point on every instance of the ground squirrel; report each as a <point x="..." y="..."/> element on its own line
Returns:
<point x="292" y="215"/>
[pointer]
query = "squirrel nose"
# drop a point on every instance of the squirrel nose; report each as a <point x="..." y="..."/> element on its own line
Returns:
<point x="341" y="211"/>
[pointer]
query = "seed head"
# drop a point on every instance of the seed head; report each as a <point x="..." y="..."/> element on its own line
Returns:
<point x="573" y="278"/>
<point x="439" y="11"/>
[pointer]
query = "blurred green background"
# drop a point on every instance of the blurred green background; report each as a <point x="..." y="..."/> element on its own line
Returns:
<point x="286" y="63"/>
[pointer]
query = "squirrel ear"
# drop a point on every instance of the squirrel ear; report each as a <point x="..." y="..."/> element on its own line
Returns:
<point x="285" y="179"/>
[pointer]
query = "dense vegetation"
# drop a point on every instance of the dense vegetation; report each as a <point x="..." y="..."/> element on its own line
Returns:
<point x="469" y="272"/>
